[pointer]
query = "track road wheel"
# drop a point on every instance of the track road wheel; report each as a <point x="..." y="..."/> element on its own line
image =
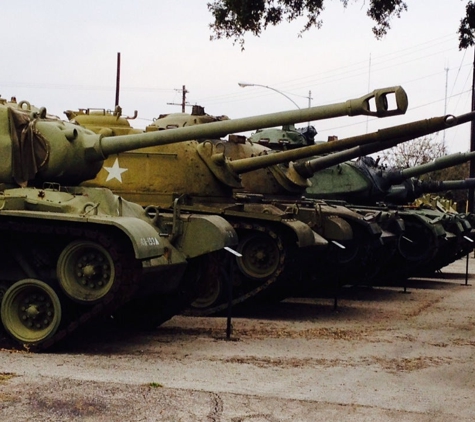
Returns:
<point x="31" y="311"/>
<point x="210" y="282"/>
<point x="86" y="271"/>
<point x="261" y="255"/>
<point x="209" y="294"/>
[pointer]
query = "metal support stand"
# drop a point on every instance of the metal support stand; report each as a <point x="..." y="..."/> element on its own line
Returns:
<point x="468" y="239"/>
<point x="337" y="289"/>
<point x="229" y="282"/>
<point x="405" y="286"/>
<point x="466" y="272"/>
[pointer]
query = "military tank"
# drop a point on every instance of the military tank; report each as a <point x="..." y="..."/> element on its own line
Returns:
<point x="91" y="253"/>
<point x="403" y="188"/>
<point x="330" y="221"/>
<point x="432" y="238"/>
<point x="73" y="254"/>
<point x="419" y="237"/>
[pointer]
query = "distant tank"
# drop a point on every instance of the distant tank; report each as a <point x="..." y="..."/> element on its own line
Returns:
<point x="432" y="239"/>
<point x="424" y="239"/>
<point x="401" y="187"/>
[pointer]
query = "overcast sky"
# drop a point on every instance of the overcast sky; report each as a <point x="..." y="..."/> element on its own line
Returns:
<point x="62" y="55"/>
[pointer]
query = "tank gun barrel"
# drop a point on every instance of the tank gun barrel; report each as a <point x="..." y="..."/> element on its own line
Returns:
<point x="310" y="167"/>
<point x="450" y="160"/>
<point x="362" y="106"/>
<point x="384" y="137"/>
<point x="429" y="186"/>
<point x="411" y="189"/>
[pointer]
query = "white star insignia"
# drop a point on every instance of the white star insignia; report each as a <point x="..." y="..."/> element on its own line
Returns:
<point x="115" y="171"/>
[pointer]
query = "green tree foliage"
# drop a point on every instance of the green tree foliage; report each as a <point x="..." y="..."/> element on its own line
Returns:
<point x="234" y="18"/>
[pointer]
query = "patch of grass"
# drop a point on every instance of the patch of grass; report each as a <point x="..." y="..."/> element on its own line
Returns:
<point x="5" y="376"/>
<point x="155" y="385"/>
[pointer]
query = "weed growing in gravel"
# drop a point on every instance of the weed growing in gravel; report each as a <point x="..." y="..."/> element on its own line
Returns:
<point x="155" y="385"/>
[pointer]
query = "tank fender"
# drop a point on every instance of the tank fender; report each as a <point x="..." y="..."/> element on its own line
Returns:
<point x="202" y="234"/>
<point x="144" y="237"/>
<point x="436" y="228"/>
<point x="305" y="235"/>
<point x="336" y="228"/>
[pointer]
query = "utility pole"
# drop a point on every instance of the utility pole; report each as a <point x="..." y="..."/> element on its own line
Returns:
<point x="445" y="102"/>
<point x="183" y="103"/>
<point x="309" y="102"/>
<point x="117" y="81"/>
<point x="472" y="140"/>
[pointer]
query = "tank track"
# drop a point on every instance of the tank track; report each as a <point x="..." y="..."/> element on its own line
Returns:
<point x="76" y="316"/>
<point x="275" y="280"/>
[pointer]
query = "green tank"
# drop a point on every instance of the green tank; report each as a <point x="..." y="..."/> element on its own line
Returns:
<point x="91" y="253"/>
<point x="432" y="238"/>
<point x="427" y="236"/>
<point x="73" y="254"/>
<point x="401" y="188"/>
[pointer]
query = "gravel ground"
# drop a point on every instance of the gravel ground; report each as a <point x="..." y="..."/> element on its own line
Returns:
<point x="382" y="355"/>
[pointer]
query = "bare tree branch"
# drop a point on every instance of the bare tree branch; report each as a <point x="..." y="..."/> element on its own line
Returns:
<point x="413" y="153"/>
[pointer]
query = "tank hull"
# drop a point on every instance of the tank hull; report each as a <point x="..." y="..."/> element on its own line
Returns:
<point x="88" y="253"/>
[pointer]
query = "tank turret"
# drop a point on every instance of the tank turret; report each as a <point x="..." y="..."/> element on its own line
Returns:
<point x="365" y="182"/>
<point x="176" y="120"/>
<point x="297" y="173"/>
<point x="223" y="166"/>
<point x="436" y="238"/>
<point x="102" y="121"/>
<point x="286" y="138"/>
<point x="22" y="105"/>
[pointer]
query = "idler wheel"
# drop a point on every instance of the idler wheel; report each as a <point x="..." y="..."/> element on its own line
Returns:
<point x="86" y="271"/>
<point x="31" y="311"/>
<point x="261" y="255"/>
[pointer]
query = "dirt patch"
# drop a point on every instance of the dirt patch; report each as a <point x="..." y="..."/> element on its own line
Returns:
<point x="381" y="355"/>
